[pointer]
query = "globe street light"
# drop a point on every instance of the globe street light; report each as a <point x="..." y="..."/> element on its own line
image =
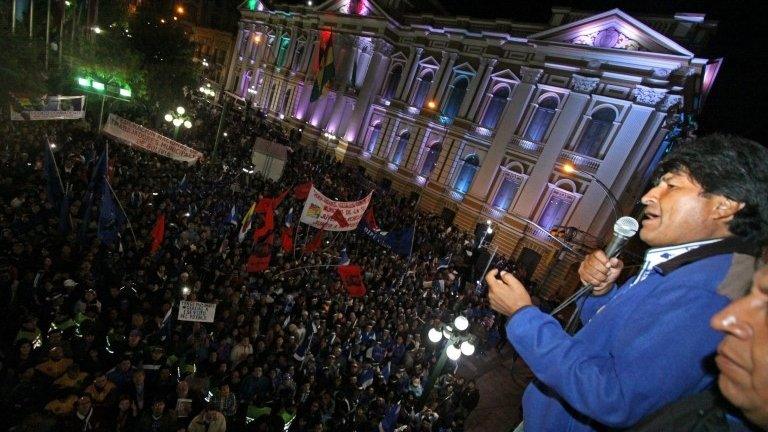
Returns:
<point x="177" y="119"/>
<point x="459" y="341"/>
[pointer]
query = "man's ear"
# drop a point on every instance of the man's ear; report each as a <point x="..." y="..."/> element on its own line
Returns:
<point x="727" y="208"/>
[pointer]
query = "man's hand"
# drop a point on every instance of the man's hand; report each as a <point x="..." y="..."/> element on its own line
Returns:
<point x="507" y="294"/>
<point x="601" y="272"/>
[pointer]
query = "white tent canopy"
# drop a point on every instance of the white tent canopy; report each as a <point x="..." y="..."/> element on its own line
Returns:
<point x="269" y="158"/>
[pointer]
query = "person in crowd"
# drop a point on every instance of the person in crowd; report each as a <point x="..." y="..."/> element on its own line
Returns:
<point x="101" y="314"/>
<point x="157" y="419"/>
<point x="209" y="420"/>
<point x="646" y="343"/>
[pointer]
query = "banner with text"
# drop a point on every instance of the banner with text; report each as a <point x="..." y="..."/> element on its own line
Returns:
<point x="324" y="213"/>
<point x="133" y="134"/>
<point x="196" y="311"/>
<point x="47" y="108"/>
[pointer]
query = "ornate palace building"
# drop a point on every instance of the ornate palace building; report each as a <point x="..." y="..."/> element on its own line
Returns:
<point x="522" y="124"/>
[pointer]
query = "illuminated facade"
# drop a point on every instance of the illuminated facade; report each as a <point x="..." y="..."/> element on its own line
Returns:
<point x="479" y="116"/>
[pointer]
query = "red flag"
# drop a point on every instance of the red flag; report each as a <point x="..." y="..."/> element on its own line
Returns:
<point x="158" y="233"/>
<point x="266" y="227"/>
<point x="286" y="240"/>
<point x="338" y="217"/>
<point x="259" y="259"/>
<point x="301" y="192"/>
<point x="351" y="277"/>
<point x="315" y="243"/>
<point x="279" y="199"/>
<point x="370" y="220"/>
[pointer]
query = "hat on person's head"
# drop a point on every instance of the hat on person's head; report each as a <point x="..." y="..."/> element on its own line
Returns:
<point x="69" y="283"/>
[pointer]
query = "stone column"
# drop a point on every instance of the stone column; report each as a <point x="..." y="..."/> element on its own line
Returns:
<point x="234" y="61"/>
<point x="482" y="92"/>
<point x="504" y="131"/>
<point x="477" y="88"/>
<point x="566" y="122"/>
<point x="441" y="78"/>
<point x="412" y="67"/>
<point x="377" y="70"/>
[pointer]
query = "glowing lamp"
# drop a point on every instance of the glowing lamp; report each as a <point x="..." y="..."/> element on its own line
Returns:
<point x="467" y="348"/>
<point x="434" y="335"/>
<point x="461" y="323"/>
<point x="453" y="352"/>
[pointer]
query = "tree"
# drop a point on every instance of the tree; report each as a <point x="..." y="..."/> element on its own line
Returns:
<point x="153" y="58"/>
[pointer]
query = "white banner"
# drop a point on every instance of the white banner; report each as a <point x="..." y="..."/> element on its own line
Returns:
<point x="196" y="311"/>
<point x="47" y="108"/>
<point x="133" y="134"/>
<point x="325" y="213"/>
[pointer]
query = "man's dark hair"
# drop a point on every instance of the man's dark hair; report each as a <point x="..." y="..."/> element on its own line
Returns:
<point x="731" y="166"/>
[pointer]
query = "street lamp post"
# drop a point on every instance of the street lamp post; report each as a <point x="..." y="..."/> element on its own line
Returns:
<point x="178" y="118"/>
<point x="459" y="342"/>
<point x="570" y="169"/>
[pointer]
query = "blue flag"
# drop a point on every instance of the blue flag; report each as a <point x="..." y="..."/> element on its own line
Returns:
<point x="344" y="257"/>
<point x="389" y="422"/>
<point x="232" y="218"/>
<point x="99" y="171"/>
<point x="399" y="241"/>
<point x="109" y="217"/>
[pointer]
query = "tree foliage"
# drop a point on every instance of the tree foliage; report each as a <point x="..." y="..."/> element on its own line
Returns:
<point x="153" y="58"/>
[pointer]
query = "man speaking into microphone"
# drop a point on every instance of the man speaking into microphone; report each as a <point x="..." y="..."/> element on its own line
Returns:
<point x="648" y="342"/>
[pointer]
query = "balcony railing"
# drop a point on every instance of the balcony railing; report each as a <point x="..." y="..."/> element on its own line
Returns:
<point x="493" y="212"/>
<point x="581" y="162"/>
<point x="526" y="146"/>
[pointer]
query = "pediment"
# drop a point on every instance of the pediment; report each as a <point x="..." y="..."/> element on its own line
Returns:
<point x="613" y="29"/>
<point x="466" y="68"/>
<point x="363" y="8"/>
<point x="399" y="57"/>
<point x="430" y="61"/>
<point x="505" y="75"/>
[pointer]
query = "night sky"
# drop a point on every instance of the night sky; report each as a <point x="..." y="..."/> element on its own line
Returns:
<point x="738" y="101"/>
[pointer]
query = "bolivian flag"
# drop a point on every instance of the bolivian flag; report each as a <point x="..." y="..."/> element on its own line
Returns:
<point x="326" y="68"/>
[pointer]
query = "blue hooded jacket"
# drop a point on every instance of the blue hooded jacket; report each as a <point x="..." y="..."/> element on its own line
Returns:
<point x="641" y="347"/>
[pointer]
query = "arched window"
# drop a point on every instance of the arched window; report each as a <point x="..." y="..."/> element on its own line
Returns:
<point x="392" y="81"/>
<point x="431" y="160"/>
<point x="508" y="188"/>
<point x="285" y="42"/>
<point x="371" y="144"/>
<point x="245" y="83"/>
<point x="558" y="204"/>
<point x="495" y="107"/>
<point x="296" y="63"/>
<point x="284" y="103"/>
<point x="423" y="88"/>
<point x="467" y="173"/>
<point x="541" y="120"/>
<point x="595" y="133"/>
<point x="402" y="143"/>
<point x="456" y="97"/>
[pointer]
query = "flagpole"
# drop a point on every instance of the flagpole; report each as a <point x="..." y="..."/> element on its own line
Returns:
<point x="55" y="165"/>
<point x="130" y="227"/>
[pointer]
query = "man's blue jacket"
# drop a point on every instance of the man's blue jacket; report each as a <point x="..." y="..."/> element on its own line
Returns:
<point x="641" y="346"/>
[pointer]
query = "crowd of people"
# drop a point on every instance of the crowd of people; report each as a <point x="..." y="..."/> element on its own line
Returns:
<point x="90" y="339"/>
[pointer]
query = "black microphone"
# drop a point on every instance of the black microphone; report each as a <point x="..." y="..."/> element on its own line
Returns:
<point x="624" y="229"/>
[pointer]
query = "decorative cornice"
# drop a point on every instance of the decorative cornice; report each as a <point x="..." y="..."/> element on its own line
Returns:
<point x="582" y="84"/>
<point x="648" y="96"/>
<point x="530" y="75"/>
<point x="669" y="101"/>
